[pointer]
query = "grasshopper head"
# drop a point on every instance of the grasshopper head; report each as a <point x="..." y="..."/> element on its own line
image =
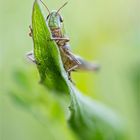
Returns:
<point x="54" y="20"/>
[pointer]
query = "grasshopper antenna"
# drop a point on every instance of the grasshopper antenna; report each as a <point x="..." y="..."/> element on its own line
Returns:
<point x="45" y="6"/>
<point x="62" y="6"/>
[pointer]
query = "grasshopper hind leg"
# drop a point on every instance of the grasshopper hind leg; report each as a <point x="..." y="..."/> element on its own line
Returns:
<point x="73" y="68"/>
<point x="70" y="66"/>
<point x="69" y="78"/>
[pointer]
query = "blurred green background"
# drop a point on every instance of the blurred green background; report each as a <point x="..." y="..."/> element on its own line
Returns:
<point x="106" y="31"/>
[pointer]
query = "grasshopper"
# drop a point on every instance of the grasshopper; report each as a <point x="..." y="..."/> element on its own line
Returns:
<point x="71" y="62"/>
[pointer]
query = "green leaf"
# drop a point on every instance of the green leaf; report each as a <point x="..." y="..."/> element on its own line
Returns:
<point x="89" y="119"/>
<point x="92" y="120"/>
<point x="47" y="56"/>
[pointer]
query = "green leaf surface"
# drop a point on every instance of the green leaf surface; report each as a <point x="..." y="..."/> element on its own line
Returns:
<point x="47" y="55"/>
<point x="92" y="120"/>
<point x="89" y="119"/>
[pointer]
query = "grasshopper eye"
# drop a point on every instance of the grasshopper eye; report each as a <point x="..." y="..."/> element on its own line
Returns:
<point x="61" y="19"/>
<point x="47" y="17"/>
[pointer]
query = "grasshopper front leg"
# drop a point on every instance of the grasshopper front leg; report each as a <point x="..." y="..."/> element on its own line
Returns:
<point x="58" y="38"/>
<point x="31" y="31"/>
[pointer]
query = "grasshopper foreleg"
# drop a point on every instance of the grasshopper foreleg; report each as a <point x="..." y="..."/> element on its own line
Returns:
<point x="58" y="38"/>
<point x="31" y="31"/>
